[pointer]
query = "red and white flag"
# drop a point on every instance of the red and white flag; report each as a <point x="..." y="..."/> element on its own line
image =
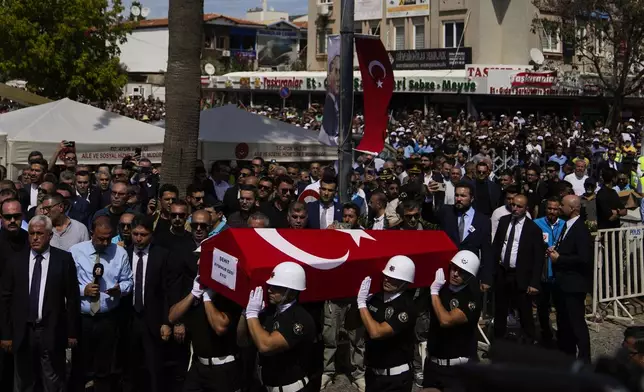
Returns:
<point x="378" y="87"/>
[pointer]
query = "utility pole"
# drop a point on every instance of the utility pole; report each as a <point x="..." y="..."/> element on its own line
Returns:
<point x="345" y="145"/>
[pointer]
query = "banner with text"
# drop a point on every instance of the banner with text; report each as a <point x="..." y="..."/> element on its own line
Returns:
<point x="405" y="8"/>
<point x="368" y="10"/>
<point x="447" y="58"/>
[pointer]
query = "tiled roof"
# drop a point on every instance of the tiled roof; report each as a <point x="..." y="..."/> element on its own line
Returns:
<point x="302" y="25"/>
<point x="163" y="22"/>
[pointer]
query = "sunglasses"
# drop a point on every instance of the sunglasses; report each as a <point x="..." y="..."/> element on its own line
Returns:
<point x="198" y="198"/>
<point x="242" y="175"/>
<point x="265" y="187"/>
<point x="179" y="215"/>
<point x="12" y="217"/>
<point x="125" y="225"/>
<point x="287" y="191"/>
<point x="412" y="216"/>
<point x="199" y="226"/>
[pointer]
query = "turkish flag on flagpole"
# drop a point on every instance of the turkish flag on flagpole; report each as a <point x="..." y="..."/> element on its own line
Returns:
<point x="377" y="89"/>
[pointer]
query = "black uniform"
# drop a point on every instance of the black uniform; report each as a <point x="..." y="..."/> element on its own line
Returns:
<point x="392" y="354"/>
<point x="445" y="345"/>
<point x="221" y="374"/>
<point x="297" y="327"/>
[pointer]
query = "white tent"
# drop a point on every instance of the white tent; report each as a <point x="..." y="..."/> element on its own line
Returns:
<point x="100" y="136"/>
<point x="227" y="132"/>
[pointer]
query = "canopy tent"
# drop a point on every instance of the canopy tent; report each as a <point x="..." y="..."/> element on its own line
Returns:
<point x="227" y="132"/>
<point x="100" y="136"/>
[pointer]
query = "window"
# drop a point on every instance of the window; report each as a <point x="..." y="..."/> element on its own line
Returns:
<point x="550" y="41"/>
<point x="220" y="43"/>
<point x="419" y="36"/>
<point x="374" y="27"/>
<point x="452" y="34"/>
<point x="322" y="35"/>
<point x="400" y="38"/>
<point x="328" y="2"/>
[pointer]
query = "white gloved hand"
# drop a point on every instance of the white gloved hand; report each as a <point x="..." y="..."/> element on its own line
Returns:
<point x="255" y="302"/>
<point x="363" y="293"/>
<point x="439" y="281"/>
<point x="197" y="290"/>
<point x="208" y="295"/>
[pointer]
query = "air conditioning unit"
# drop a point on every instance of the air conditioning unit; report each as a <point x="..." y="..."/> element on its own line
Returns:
<point x="324" y="9"/>
<point x="225" y="53"/>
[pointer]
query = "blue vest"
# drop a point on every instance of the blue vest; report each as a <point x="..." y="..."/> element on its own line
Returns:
<point x="550" y="236"/>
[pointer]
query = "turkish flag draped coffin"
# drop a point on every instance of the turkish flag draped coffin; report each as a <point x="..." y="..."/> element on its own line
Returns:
<point x="336" y="261"/>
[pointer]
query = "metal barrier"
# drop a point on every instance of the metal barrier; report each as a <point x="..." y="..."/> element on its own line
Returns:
<point x="618" y="272"/>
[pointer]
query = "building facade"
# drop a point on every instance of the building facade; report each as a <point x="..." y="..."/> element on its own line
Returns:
<point x="498" y="31"/>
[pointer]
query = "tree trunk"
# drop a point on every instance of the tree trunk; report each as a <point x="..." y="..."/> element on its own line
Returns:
<point x="615" y="112"/>
<point x="183" y="91"/>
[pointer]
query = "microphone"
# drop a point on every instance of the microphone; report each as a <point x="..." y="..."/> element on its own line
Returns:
<point x="98" y="272"/>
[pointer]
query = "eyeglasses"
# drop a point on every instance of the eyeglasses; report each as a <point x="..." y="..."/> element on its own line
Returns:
<point x="412" y="216"/>
<point x="265" y="187"/>
<point x="125" y="226"/>
<point x="46" y="209"/>
<point x="199" y="226"/>
<point x="286" y="191"/>
<point x="70" y="158"/>
<point x="181" y="215"/>
<point x="12" y="217"/>
<point x="198" y="198"/>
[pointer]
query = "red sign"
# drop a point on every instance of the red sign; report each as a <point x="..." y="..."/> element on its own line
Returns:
<point x="534" y="79"/>
<point x="278" y="83"/>
<point x="336" y="261"/>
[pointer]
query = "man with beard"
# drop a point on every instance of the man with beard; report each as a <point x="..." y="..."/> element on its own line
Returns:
<point x="324" y="212"/>
<point x="67" y="232"/>
<point x="392" y="190"/>
<point x="487" y="193"/>
<point x="87" y="191"/>
<point x="377" y="207"/>
<point x="247" y="206"/>
<point x="277" y="210"/>
<point x="195" y="196"/>
<point x="38" y="169"/>
<point x="13" y="240"/>
<point x="168" y="194"/>
<point x="124" y="236"/>
<point x="532" y="187"/>
<point x="469" y="229"/>
<point x="179" y="213"/>
<point x="410" y="212"/>
<point x="350" y="215"/>
<point x="297" y="216"/>
<point x="264" y="190"/>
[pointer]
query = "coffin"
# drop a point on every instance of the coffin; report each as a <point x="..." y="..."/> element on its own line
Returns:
<point x="336" y="261"/>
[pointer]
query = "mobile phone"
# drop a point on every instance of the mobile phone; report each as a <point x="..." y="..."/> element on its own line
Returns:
<point x="69" y="143"/>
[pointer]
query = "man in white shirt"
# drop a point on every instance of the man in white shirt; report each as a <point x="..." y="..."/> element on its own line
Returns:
<point x="377" y="208"/>
<point x="578" y="178"/>
<point x="38" y="168"/>
<point x="506" y="209"/>
<point x="455" y="175"/>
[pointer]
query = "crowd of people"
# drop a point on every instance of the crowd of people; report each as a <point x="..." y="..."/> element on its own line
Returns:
<point x="103" y="261"/>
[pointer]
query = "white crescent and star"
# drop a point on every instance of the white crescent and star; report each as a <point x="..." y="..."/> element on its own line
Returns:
<point x="376" y="63"/>
<point x="280" y="243"/>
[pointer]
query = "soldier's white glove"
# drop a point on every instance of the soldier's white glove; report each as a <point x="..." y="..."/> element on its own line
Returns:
<point x="255" y="301"/>
<point x="208" y="295"/>
<point x="197" y="290"/>
<point x="439" y="281"/>
<point x="363" y="293"/>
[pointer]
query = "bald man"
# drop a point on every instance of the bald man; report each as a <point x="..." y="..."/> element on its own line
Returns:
<point x="520" y="252"/>
<point x="572" y="267"/>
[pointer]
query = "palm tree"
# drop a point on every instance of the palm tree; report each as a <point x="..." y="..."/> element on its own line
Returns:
<point x="183" y="91"/>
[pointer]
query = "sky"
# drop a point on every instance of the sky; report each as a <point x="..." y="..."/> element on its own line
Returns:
<point x="236" y="8"/>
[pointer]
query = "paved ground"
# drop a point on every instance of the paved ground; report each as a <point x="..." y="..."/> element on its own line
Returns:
<point x="604" y="339"/>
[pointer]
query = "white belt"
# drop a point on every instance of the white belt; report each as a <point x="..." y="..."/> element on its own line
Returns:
<point x="216" y="360"/>
<point x="394" y="371"/>
<point x="294" y="387"/>
<point x="449" y="362"/>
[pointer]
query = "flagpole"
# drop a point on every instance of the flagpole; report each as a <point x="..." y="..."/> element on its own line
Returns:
<point x="345" y="158"/>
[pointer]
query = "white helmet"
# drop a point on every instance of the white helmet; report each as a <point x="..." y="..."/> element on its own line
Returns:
<point x="401" y="268"/>
<point x="467" y="261"/>
<point x="288" y="274"/>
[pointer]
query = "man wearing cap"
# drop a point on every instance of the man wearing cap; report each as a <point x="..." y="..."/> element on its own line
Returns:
<point x="454" y="314"/>
<point x="283" y="333"/>
<point x="389" y="318"/>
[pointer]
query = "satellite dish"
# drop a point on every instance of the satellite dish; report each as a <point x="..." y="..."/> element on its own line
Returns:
<point x="536" y="56"/>
<point x="135" y="10"/>
<point x="145" y="11"/>
<point x="209" y="68"/>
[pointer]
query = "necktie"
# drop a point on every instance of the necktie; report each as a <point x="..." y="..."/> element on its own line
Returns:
<point x="34" y="293"/>
<point x="461" y="227"/>
<point x="508" y="246"/>
<point x="94" y="302"/>
<point x="323" y="222"/>
<point x="138" y="284"/>
<point x="561" y="237"/>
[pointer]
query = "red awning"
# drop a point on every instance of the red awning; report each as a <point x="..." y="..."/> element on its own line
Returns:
<point x="336" y="261"/>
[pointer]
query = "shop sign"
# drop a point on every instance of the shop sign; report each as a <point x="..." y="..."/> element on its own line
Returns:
<point x="511" y="82"/>
<point x="277" y="83"/>
<point x="448" y="58"/>
<point x="483" y="70"/>
<point x="421" y="85"/>
<point x="533" y="79"/>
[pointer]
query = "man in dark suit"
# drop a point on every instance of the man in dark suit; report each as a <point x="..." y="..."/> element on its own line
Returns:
<point x="231" y="196"/>
<point x="518" y="246"/>
<point x="324" y="212"/>
<point x="147" y="308"/>
<point x="40" y="310"/>
<point x="487" y="193"/>
<point x="609" y="163"/>
<point x="469" y="230"/>
<point x="572" y="266"/>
